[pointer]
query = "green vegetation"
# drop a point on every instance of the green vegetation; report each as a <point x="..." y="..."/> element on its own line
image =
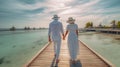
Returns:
<point x="12" y="28"/>
<point x="118" y="24"/>
<point x="114" y="24"/>
<point x="89" y="25"/>
<point x="27" y="28"/>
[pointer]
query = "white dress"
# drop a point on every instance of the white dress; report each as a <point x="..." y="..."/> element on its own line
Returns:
<point x="73" y="44"/>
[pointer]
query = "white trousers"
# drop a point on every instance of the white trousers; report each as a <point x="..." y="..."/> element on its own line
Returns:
<point x="57" y="45"/>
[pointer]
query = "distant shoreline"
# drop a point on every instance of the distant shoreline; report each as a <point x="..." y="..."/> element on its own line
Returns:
<point x="19" y="29"/>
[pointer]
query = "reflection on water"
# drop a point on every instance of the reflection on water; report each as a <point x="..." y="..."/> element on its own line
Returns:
<point x="104" y="44"/>
<point x="18" y="47"/>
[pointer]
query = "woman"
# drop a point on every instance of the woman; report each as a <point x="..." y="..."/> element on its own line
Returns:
<point x="73" y="45"/>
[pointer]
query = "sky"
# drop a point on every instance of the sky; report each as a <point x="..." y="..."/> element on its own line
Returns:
<point x="39" y="13"/>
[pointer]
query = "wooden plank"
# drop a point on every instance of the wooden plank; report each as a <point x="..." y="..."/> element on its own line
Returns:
<point x="27" y="65"/>
<point x="86" y="58"/>
<point x="99" y="56"/>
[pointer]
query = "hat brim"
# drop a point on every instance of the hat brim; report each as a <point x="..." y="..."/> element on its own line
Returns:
<point x="70" y="20"/>
<point x="55" y="17"/>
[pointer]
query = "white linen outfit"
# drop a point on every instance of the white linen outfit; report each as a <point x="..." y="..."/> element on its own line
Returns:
<point x="55" y="30"/>
<point x="73" y="44"/>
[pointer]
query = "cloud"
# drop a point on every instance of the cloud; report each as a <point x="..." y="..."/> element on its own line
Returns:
<point x="37" y="12"/>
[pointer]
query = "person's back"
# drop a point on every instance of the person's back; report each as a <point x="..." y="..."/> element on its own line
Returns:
<point x="72" y="27"/>
<point x="56" y="29"/>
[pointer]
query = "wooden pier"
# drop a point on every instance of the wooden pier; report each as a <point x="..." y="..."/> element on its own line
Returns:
<point x="86" y="58"/>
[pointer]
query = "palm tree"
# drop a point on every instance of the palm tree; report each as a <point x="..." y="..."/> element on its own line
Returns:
<point x="100" y="25"/>
<point x="113" y="24"/>
<point x="12" y="28"/>
<point x="89" y="25"/>
<point x="118" y="24"/>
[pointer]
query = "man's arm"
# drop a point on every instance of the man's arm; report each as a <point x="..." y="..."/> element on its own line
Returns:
<point x="49" y="39"/>
<point x="62" y="31"/>
<point x="49" y="33"/>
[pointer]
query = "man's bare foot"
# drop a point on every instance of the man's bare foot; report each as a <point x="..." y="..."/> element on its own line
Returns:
<point x="55" y="55"/>
<point x="57" y="60"/>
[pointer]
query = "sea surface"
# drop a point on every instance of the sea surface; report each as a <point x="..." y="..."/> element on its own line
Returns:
<point x="105" y="44"/>
<point x="18" y="47"/>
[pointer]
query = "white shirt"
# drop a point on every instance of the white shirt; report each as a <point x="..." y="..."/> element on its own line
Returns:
<point x="55" y="29"/>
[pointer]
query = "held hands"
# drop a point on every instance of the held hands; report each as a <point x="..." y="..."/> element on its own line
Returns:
<point x="64" y="37"/>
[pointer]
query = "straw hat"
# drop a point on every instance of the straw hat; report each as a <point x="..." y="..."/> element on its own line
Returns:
<point x="70" y="20"/>
<point x="55" y="17"/>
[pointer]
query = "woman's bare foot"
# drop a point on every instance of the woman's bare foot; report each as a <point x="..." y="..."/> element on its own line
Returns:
<point x="73" y="61"/>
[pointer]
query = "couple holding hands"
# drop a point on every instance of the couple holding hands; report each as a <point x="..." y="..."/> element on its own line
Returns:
<point x="54" y="34"/>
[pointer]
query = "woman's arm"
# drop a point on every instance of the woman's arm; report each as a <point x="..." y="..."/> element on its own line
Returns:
<point x="77" y="29"/>
<point x="77" y="32"/>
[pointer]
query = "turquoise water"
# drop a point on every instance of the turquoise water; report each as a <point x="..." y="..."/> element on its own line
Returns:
<point x="105" y="45"/>
<point x="18" y="47"/>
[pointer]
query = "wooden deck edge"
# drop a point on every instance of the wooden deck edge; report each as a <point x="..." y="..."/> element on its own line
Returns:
<point x="102" y="58"/>
<point x="34" y="57"/>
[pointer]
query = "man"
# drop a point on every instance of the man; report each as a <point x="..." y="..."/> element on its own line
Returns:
<point x="55" y="31"/>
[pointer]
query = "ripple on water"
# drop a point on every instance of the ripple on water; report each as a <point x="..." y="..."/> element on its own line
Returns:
<point x="2" y="60"/>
